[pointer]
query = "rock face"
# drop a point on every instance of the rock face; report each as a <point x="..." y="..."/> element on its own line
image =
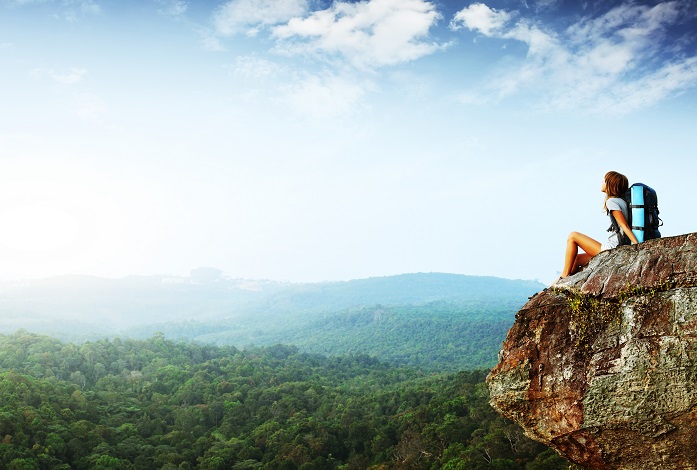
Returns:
<point x="603" y="368"/>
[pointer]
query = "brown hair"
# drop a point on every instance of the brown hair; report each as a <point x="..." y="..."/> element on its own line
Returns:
<point x="616" y="185"/>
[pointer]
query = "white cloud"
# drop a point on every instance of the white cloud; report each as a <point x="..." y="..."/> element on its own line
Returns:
<point x="248" y="16"/>
<point x="601" y="64"/>
<point x="481" y="18"/>
<point x="365" y="35"/>
<point x="73" y="76"/>
<point x="368" y="34"/>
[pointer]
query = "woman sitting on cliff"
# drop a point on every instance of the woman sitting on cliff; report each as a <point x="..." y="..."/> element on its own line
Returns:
<point x="614" y="186"/>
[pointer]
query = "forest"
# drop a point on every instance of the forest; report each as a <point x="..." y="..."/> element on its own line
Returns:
<point x="432" y="321"/>
<point x="156" y="403"/>
<point x="439" y="336"/>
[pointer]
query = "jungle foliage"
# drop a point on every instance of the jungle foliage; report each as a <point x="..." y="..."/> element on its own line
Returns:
<point x="439" y="336"/>
<point x="161" y="404"/>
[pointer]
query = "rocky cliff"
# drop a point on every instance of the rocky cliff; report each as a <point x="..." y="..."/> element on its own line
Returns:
<point x="603" y="367"/>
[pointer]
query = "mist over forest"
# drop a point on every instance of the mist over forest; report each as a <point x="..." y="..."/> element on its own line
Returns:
<point x="433" y="320"/>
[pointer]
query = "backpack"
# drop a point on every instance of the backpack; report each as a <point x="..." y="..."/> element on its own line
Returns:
<point x="642" y="204"/>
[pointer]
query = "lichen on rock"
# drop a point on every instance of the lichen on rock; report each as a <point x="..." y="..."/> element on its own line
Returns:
<point x="603" y="368"/>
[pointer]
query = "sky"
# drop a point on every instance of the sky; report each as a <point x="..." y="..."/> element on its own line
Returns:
<point x="314" y="140"/>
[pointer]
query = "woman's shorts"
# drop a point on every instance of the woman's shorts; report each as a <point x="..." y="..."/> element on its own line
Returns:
<point x="606" y="246"/>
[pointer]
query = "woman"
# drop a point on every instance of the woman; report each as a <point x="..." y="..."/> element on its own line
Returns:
<point x="614" y="186"/>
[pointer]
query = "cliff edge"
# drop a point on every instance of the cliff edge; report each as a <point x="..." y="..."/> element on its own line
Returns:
<point x="603" y="367"/>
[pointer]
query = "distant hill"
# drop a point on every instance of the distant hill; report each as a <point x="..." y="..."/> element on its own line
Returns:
<point x="417" y="289"/>
<point x="433" y="320"/>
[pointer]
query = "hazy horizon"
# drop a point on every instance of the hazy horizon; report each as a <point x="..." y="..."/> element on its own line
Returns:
<point x="224" y="276"/>
<point x="307" y="142"/>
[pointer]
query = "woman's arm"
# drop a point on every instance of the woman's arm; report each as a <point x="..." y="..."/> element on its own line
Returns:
<point x="622" y="222"/>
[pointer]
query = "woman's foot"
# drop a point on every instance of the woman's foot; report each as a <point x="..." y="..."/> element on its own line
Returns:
<point x="559" y="279"/>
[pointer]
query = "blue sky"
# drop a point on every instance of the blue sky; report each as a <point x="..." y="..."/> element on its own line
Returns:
<point x="314" y="140"/>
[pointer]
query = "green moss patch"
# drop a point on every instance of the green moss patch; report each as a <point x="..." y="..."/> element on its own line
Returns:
<point x="590" y="315"/>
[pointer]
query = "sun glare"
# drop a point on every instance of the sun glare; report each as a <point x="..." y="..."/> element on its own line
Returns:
<point x="37" y="229"/>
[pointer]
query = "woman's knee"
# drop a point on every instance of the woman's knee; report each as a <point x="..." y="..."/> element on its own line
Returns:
<point x="574" y="237"/>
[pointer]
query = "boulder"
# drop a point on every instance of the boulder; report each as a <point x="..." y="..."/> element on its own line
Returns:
<point x="603" y="366"/>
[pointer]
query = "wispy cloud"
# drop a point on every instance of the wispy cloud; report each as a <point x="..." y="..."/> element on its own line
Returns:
<point x="325" y="96"/>
<point x="70" y="77"/>
<point x="68" y="10"/>
<point x="173" y="7"/>
<point x="82" y="4"/>
<point x="256" y="68"/>
<point x="601" y="64"/>
<point x="348" y="41"/>
<point x="250" y="16"/>
<point x="74" y="10"/>
<point x="81" y="103"/>
<point x="209" y="40"/>
<point x="651" y="88"/>
<point x="319" y="95"/>
<point x="367" y="34"/>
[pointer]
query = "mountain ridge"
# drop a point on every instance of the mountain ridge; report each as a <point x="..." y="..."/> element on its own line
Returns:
<point x="437" y="320"/>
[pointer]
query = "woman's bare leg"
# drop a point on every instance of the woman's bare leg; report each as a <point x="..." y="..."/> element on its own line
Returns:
<point x="573" y="259"/>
